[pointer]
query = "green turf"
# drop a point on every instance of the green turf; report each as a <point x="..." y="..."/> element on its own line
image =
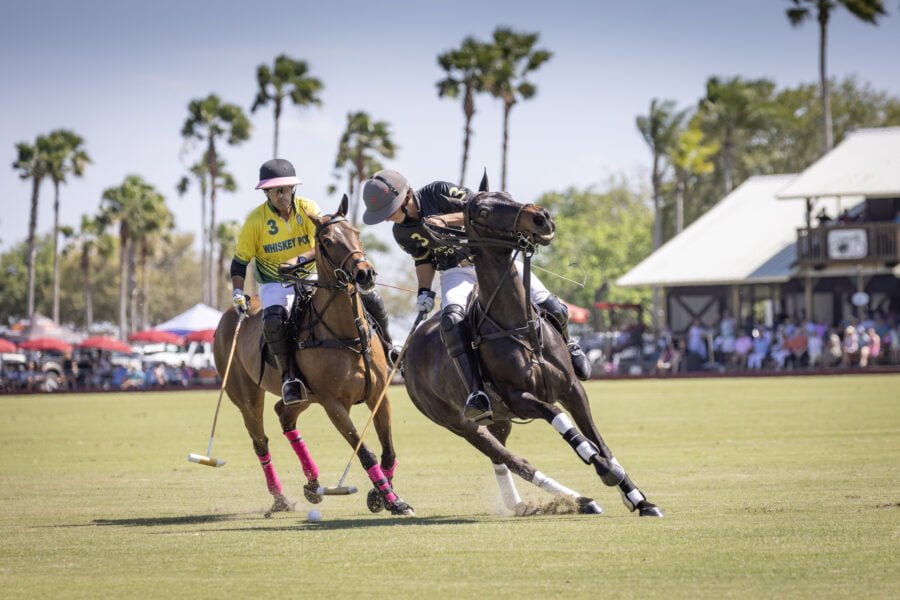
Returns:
<point x="781" y="487"/>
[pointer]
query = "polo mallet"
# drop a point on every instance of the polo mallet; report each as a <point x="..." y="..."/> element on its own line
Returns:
<point x="343" y="490"/>
<point x="207" y="459"/>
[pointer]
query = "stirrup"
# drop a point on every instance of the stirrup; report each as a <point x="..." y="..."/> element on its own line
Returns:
<point x="478" y="408"/>
<point x="393" y="355"/>
<point x="294" y="391"/>
<point x="580" y="363"/>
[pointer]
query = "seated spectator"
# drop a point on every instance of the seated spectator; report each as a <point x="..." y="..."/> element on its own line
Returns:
<point x="742" y="347"/>
<point x="761" y="344"/>
<point x="158" y="376"/>
<point x="779" y="350"/>
<point x="134" y="377"/>
<point x="870" y="348"/>
<point x="697" y="340"/>
<point x="669" y="360"/>
<point x="834" y="351"/>
<point x="797" y="343"/>
<point x="850" y="346"/>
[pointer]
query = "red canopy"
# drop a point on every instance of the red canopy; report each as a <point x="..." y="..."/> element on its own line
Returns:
<point x="7" y="346"/>
<point x="578" y="314"/>
<point x="105" y="343"/>
<point x="46" y="343"/>
<point x="201" y="335"/>
<point x="154" y="336"/>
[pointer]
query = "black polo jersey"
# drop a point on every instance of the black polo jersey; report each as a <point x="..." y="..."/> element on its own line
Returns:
<point x="436" y="198"/>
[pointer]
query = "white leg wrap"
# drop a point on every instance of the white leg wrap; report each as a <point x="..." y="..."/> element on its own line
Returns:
<point x="585" y="450"/>
<point x="508" y="492"/>
<point x="550" y="485"/>
<point x="562" y="423"/>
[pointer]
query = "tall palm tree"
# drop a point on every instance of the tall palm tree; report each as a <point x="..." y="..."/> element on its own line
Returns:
<point x="226" y="182"/>
<point x="732" y="111"/>
<point x="88" y="240"/>
<point x="865" y="10"/>
<point x="127" y="205"/>
<point x="32" y="163"/>
<point x="659" y="129"/>
<point x="513" y="58"/>
<point x="154" y="226"/>
<point x="287" y="79"/>
<point x="67" y="155"/>
<point x="465" y="69"/>
<point x="226" y="242"/>
<point x="362" y="142"/>
<point x="690" y="156"/>
<point x="210" y="120"/>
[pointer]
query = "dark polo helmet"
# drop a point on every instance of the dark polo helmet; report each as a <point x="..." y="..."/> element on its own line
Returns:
<point x="383" y="194"/>
<point x="276" y="173"/>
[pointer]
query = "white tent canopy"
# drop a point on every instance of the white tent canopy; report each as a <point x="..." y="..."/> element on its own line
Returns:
<point x="196" y="318"/>
<point x="748" y="237"/>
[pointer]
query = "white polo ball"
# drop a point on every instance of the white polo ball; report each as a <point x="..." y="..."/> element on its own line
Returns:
<point x="314" y="516"/>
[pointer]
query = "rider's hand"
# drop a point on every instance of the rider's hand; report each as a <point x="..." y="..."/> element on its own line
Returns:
<point x="240" y="301"/>
<point x="425" y="300"/>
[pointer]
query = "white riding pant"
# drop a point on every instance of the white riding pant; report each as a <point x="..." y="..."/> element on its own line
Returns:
<point x="272" y="294"/>
<point x="457" y="283"/>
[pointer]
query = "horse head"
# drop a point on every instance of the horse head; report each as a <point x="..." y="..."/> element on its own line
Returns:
<point x="339" y="250"/>
<point x="496" y="215"/>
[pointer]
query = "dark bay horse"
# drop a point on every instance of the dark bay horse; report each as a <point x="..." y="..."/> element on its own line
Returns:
<point x="341" y="361"/>
<point x="523" y="359"/>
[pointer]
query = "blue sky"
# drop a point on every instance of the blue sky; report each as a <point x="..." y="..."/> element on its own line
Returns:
<point x="121" y="74"/>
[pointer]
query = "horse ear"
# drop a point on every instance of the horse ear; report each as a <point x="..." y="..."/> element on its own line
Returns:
<point x="483" y="186"/>
<point x="345" y="203"/>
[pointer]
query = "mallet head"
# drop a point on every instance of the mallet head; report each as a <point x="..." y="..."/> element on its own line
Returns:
<point x="205" y="460"/>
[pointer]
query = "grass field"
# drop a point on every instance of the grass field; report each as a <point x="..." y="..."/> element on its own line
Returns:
<point x="781" y="487"/>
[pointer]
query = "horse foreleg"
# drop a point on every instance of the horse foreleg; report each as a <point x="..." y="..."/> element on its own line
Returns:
<point x="340" y="418"/>
<point x="632" y="497"/>
<point x="287" y="416"/>
<point x="504" y="462"/>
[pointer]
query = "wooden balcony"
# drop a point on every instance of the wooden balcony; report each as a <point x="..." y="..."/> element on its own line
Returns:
<point x="849" y="243"/>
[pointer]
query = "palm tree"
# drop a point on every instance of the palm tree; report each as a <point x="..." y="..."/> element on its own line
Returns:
<point x="362" y="142"/>
<point x="732" y="111"/>
<point x="690" y="156"/>
<point x="89" y="238"/>
<point x="288" y="79"/>
<point x="32" y="163"/>
<point x="513" y="58"/>
<point x="154" y="225"/>
<point x="465" y="68"/>
<point x="226" y="241"/>
<point x="659" y="129"/>
<point x="127" y="205"/>
<point x="865" y="10"/>
<point x="67" y="155"/>
<point x="210" y="120"/>
<point x="226" y="182"/>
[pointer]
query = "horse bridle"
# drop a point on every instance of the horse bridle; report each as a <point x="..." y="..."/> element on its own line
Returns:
<point x="340" y="272"/>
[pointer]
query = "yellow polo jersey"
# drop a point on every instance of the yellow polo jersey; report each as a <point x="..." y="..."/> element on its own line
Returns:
<point x="271" y="240"/>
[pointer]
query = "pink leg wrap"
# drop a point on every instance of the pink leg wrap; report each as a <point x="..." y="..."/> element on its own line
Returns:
<point x="310" y="469"/>
<point x="271" y="477"/>
<point x="381" y="482"/>
<point x="389" y="473"/>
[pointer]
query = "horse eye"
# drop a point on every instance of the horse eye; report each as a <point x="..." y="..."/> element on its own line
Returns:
<point x="483" y="213"/>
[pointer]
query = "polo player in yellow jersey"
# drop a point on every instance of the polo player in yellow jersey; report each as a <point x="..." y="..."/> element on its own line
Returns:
<point x="280" y="231"/>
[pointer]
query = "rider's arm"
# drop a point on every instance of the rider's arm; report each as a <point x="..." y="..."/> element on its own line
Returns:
<point x="456" y="219"/>
<point x="425" y="275"/>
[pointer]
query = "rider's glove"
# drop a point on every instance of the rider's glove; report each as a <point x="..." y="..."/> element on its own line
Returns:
<point x="240" y="301"/>
<point x="425" y="300"/>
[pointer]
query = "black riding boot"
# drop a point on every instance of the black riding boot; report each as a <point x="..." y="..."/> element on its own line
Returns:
<point x="559" y="318"/>
<point x="279" y="338"/>
<point x="456" y="338"/>
<point x="374" y="305"/>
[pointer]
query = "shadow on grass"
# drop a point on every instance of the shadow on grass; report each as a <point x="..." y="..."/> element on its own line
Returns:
<point x="165" y="521"/>
<point x="340" y="524"/>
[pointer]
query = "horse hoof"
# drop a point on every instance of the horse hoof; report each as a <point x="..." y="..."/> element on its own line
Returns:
<point x="402" y="509"/>
<point x="650" y="510"/>
<point x="374" y="501"/>
<point x="281" y="504"/>
<point x="311" y="491"/>
<point x="587" y="506"/>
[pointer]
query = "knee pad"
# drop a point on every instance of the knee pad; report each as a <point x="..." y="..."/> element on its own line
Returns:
<point x="557" y="311"/>
<point x="454" y="332"/>
<point x="274" y="318"/>
<point x="374" y="305"/>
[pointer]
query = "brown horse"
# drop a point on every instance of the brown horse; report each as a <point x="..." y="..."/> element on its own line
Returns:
<point x="523" y="358"/>
<point x="339" y="361"/>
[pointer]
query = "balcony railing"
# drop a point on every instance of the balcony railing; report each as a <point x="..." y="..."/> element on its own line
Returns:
<point x="844" y="243"/>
